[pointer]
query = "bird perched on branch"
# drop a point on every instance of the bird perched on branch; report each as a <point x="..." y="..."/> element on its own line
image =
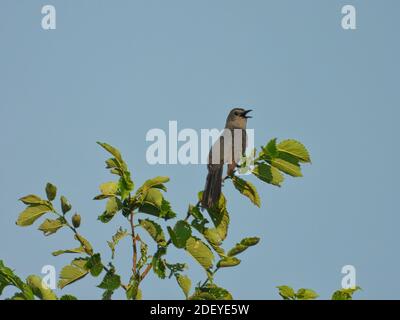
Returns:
<point x="228" y="149"/>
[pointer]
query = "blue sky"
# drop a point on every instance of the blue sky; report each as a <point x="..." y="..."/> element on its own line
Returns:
<point x="112" y="70"/>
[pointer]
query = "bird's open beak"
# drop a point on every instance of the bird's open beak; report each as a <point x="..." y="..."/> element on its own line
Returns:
<point x="244" y="114"/>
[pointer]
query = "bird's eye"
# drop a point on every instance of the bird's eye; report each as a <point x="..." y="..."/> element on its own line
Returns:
<point x="236" y="113"/>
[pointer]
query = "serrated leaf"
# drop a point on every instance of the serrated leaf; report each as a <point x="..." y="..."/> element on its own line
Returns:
<point x="154" y="198"/>
<point x="294" y="148"/>
<point x="31" y="214"/>
<point x="120" y="234"/>
<point x="345" y="294"/>
<point x="154" y="230"/>
<point x="156" y="183"/>
<point x="110" y="282"/>
<point x="94" y="265"/>
<point x="213" y="237"/>
<point x="247" y="189"/>
<point x="40" y="289"/>
<point x="85" y="244"/>
<point x="200" y="252"/>
<point x="158" y="263"/>
<point x="211" y="292"/>
<point x="185" y="283"/>
<point x="49" y="227"/>
<point x="9" y="278"/>
<point x="51" y="191"/>
<point x="73" y="272"/>
<point x="306" y="294"/>
<point x="271" y="148"/>
<point x="107" y="295"/>
<point x="114" y="151"/>
<point x="165" y="212"/>
<point x="119" y="167"/>
<point x="113" y="206"/>
<point x="109" y="188"/>
<point x="287" y="167"/>
<point x="243" y="245"/>
<point x="180" y="233"/>
<point x="268" y="174"/>
<point x="219" y="216"/>
<point x="287" y="292"/>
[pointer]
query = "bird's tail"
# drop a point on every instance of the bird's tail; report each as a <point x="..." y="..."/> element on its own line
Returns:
<point x="212" y="190"/>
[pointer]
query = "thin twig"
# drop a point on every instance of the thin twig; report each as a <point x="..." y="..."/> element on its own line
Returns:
<point x="145" y="272"/>
<point x="134" y="260"/>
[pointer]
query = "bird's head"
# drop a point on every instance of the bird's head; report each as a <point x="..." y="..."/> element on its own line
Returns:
<point x="237" y="118"/>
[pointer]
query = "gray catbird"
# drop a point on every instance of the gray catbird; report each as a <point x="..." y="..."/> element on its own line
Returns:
<point x="228" y="149"/>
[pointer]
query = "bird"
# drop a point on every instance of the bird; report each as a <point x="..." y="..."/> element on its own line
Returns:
<point x="229" y="149"/>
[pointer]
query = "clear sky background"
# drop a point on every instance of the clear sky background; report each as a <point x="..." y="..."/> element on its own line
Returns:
<point x="112" y="70"/>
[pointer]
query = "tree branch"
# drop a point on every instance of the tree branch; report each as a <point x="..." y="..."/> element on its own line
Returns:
<point x="134" y="259"/>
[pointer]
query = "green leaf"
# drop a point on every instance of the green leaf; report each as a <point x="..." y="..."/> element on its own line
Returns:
<point x="110" y="282"/>
<point x="9" y="278"/>
<point x="268" y="174"/>
<point x="85" y="244"/>
<point x="158" y="263"/>
<point x="134" y="292"/>
<point x="51" y="191"/>
<point x="185" y="283"/>
<point x="271" y="148"/>
<point x="51" y="226"/>
<point x="164" y="211"/>
<point x="76" y="250"/>
<point x="109" y="188"/>
<point x="113" y="206"/>
<point x="94" y="265"/>
<point x="121" y="233"/>
<point x="143" y="256"/>
<point x="219" y="216"/>
<point x="345" y="294"/>
<point x="200" y="251"/>
<point x="68" y="297"/>
<point x="243" y="245"/>
<point x="154" y="230"/>
<point x="228" y="262"/>
<point x="119" y="167"/>
<point x="306" y="294"/>
<point x="195" y="212"/>
<point x="107" y="295"/>
<point x="31" y="214"/>
<point x="287" y="166"/>
<point x="65" y="205"/>
<point x="295" y="149"/>
<point x="247" y="189"/>
<point x="113" y="151"/>
<point x="125" y="185"/>
<point x="32" y="199"/>
<point x="73" y="272"/>
<point x="156" y="183"/>
<point x="180" y="234"/>
<point x="211" y="292"/>
<point x="287" y="292"/>
<point x="40" y="289"/>
<point x="154" y="198"/>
